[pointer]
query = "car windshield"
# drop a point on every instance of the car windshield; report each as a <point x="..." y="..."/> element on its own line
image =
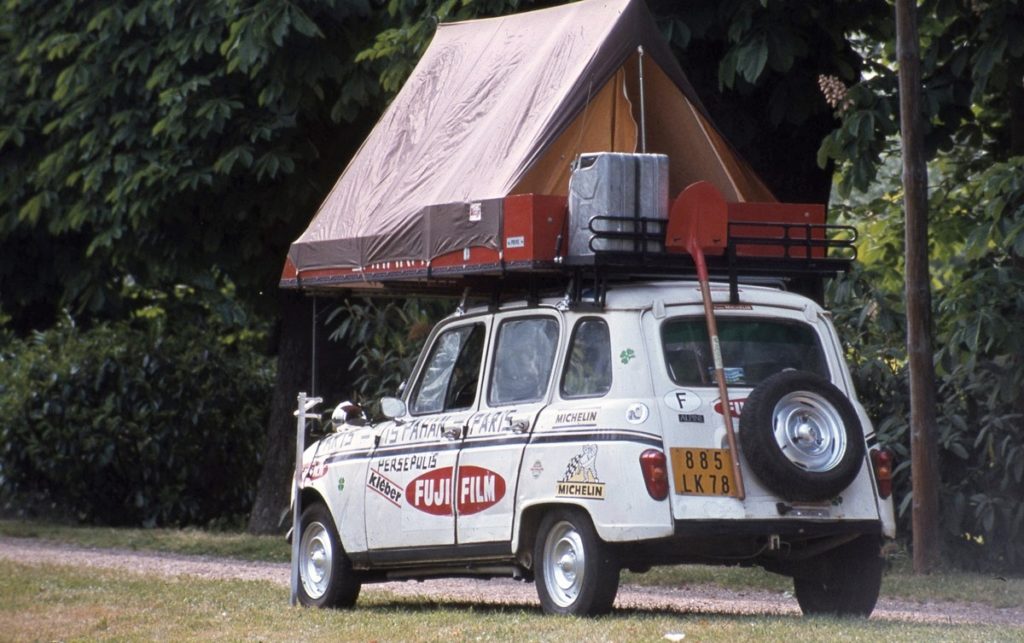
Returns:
<point x="753" y="349"/>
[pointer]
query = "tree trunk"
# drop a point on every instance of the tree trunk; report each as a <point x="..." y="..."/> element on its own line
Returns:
<point x="923" y="438"/>
<point x="273" y="491"/>
<point x="295" y="372"/>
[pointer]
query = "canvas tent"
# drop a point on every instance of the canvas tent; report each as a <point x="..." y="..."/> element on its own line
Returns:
<point x="501" y="106"/>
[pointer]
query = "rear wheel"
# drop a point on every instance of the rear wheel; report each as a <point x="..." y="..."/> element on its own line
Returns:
<point x="846" y="582"/>
<point x="326" y="578"/>
<point x="576" y="572"/>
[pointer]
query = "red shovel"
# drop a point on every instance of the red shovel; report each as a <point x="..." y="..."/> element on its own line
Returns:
<point x="699" y="224"/>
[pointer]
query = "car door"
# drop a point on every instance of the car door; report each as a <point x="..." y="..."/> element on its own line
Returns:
<point x="519" y="378"/>
<point x="411" y="481"/>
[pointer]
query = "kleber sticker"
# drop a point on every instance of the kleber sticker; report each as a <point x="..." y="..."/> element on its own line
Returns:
<point x="515" y="242"/>
<point x="476" y="490"/>
<point x="581" y="479"/>
<point x="637" y="413"/>
<point x="627" y="355"/>
<point x="682" y="401"/>
<point x="385" y="487"/>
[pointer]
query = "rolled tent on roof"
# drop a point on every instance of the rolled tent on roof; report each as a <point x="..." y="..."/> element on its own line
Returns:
<point x="501" y="106"/>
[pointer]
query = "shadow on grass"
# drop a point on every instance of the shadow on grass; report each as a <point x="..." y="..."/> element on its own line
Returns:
<point x="427" y="605"/>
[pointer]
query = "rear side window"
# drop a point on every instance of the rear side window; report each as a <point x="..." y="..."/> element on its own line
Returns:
<point x="523" y="359"/>
<point x="752" y="350"/>
<point x="588" y="365"/>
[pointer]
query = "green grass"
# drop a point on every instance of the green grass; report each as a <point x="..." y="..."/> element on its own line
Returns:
<point x="54" y="602"/>
<point x="899" y="581"/>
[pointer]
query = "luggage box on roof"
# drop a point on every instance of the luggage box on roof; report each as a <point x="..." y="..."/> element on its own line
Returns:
<point x="623" y="186"/>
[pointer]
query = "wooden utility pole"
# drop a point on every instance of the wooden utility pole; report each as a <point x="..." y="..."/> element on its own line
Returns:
<point x="924" y="452"/>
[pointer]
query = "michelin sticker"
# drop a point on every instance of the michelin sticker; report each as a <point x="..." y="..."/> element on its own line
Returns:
<point x="581" y="479"/>
<point x="682" y="401"/>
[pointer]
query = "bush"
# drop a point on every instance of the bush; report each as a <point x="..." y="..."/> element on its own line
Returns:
<point x="386" y="337"/>
<point x="133" y="424"/>
<point x="979" y="356"/>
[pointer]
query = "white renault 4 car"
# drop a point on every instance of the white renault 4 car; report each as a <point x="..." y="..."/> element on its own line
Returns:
<point x="562" y="444"/>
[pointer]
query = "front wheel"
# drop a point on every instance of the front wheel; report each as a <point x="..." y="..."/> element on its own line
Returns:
<point x="326" y="578"/>
<point x="576" y="572"/>
<point x="846" y="582"/>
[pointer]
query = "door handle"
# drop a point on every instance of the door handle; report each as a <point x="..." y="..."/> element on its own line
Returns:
<point x="452" y="432"/>
<point x="518" y="426"/>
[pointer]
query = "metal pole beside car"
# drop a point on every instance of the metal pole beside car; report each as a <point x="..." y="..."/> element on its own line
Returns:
<point x="302" y="414"/>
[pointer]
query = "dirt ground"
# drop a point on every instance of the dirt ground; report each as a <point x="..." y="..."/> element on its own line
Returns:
<point x="704" y="599"/>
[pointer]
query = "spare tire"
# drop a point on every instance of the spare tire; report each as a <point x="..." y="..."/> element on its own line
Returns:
<point x="801" y="436"/>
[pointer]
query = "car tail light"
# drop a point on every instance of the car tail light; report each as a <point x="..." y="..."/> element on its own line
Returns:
<point x="655" y="470"/>
<point x="881" y="461"/>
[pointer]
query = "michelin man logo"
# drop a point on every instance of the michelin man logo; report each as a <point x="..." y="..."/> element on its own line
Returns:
<point x="581" y="479"/>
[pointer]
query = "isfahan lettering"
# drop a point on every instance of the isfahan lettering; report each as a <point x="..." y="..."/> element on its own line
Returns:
<point x="428" y="428"/>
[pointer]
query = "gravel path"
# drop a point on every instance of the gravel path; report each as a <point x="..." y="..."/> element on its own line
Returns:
<point x="705" y="599"/>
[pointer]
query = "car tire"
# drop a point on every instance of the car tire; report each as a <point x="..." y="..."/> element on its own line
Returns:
<point x="326" y="578"/>
<point x="801" y="436"/>
<point x="575" y="571"/>
<point x="846" y="582"/>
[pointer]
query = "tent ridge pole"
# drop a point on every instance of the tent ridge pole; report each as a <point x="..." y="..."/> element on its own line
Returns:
<point x="643" y="116"/>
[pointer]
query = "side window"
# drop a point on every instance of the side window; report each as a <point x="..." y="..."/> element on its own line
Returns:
<point x="588" y="367"/>
<point x="450" y="378"/>
<point x="523" y="359"/>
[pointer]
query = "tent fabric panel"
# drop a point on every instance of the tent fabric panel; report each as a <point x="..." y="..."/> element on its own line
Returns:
<point x="490" y="107"/>
<point x="605" y="124"/>
<point x="485" y="99"/>
<point x="463" y="225"/>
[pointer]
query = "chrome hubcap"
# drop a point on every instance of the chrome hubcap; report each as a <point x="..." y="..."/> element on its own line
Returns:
<point x="315" y="559"/>
<point x="564" y="560"/>
<point x="809" y="431"/>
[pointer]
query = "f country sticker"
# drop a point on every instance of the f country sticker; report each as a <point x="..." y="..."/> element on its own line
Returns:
<point x="477" y="489"/>
<point x="581" y="479"/>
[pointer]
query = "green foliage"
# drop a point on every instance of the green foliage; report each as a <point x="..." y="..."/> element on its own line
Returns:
<point x="386" y="338"/>
<point x="155" y="140"/>
<point x="400" y="47"/>
<point x="971" y="54"/>
<point x="978" y="212"/>
<point x="145" y="423"/>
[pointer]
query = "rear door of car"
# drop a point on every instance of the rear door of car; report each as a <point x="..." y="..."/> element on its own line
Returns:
<point x="519" y="375"/>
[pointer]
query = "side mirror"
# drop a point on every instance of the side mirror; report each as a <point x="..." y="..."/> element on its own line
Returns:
<point x="392" y="407"/>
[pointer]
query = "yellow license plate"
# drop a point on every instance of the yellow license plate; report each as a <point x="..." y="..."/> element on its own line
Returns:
<point x="702" y="472"/>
